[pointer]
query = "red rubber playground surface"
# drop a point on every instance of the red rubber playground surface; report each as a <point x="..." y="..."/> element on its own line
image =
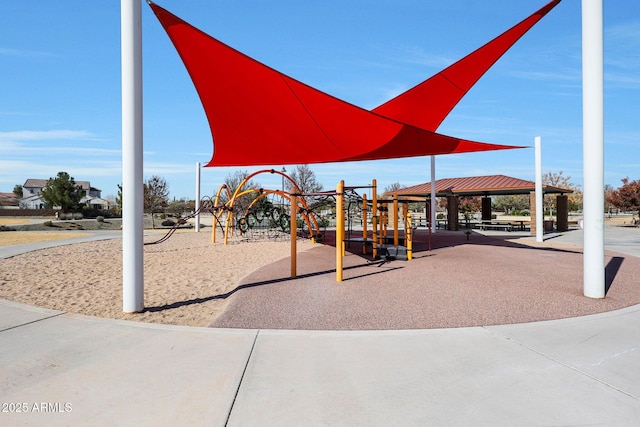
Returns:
<point x="485" y="280"/>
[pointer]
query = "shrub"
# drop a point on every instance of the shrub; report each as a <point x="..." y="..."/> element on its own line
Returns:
<point x="440" y="216"/>
<point x="77" y="216"/>
<point x="100" y="219"/>
<point x="48" y="224"/>
<point x="168" y="223"/>
<point x="94" y="213"/>
<point x="323" y="222"/>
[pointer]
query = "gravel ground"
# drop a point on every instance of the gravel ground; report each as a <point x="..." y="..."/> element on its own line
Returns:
<point x="476" y="282"/>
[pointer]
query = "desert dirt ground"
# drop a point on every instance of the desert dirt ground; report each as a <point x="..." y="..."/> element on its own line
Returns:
<point x="187" y="278"/>
<point x="22" y="237"/>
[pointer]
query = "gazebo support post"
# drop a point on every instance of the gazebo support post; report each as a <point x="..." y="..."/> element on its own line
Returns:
<point x="452" y="212"/>
<point x="486" y="208"/>
<point x="562" y="212"/>
<point x="534" y="216"/>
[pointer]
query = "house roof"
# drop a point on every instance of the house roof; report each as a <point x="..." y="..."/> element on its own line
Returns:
<point x="41" y="183"/>
<point x="8" y="199"/>
<point x="35" y="183"/>
<point x="95" y="201"/>
<point x="479" y="186"/>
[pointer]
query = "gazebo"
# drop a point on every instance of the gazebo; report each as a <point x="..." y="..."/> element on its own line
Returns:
<point x="485" y="187"/>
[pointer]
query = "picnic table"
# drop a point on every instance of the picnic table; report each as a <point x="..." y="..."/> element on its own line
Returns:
<point x="496" y="225"/>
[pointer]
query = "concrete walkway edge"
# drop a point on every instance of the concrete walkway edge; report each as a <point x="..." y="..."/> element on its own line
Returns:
<point x="66" y="369"/>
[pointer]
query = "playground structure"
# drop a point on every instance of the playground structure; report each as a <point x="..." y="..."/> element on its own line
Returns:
<point x="257" y="213"/>
<point x="382" y="245"/>
<point x="251" y="214"/>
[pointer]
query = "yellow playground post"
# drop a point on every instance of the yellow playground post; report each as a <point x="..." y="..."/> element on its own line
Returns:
<point x="374" y="217"/>
<point x="339" y="229"/>
<point x="293" y="226"/>
<point x="409" y="237"/>
<point x="216" y="210"/>
<point x="364" y="224"/>
<point x="395" y="219"/>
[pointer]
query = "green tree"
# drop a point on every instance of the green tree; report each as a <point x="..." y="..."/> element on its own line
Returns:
<point x="118" y="200"/>
<point x="156" y="195"/>
<point x="511" y="202"/>
<point x="181" y="206"/>
<point x="62" y="191"/>
<point x="17" y="191"/>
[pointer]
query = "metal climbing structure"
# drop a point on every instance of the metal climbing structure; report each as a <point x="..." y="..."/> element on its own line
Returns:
<point x="259" y="213"/>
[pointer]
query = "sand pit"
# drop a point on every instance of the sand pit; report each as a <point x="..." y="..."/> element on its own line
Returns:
<point x="187" y="278"/>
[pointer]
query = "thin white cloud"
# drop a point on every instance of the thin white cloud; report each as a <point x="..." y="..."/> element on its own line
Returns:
<point x="26" y="53"/>
<point x="9" y="167"/>
<point x="417" y="56"/>
<point x="12" y="113"/>
<point x="157" y="168"/>
<point x="566" y="75"/>
<point x="628" y="32"/>
<point x="17" y="149"/>
<point x="90" y="172"/>
<point x="39" y="135"/>
<point x="18" y="171"/>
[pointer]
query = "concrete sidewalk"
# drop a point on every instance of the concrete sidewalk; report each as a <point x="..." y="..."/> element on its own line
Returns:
<point x="64" y="369"/>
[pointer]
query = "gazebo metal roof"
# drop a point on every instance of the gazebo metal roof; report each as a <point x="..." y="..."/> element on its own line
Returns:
<point x="478" y="186"/>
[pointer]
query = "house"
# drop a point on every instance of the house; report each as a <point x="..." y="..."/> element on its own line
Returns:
<point x="32" y="199"/>
<point x="8" y="201"/>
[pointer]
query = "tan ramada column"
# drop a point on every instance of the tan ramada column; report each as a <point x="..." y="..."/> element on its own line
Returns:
<point x="532" y="209"/>
<point x="452" y="213"/>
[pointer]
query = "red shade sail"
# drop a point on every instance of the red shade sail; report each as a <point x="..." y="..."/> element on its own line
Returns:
<point x="259" y="116"/>
<point x="427" y="104"/>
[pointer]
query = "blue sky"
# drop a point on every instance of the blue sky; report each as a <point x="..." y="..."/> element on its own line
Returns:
<point x="60" y="80"/>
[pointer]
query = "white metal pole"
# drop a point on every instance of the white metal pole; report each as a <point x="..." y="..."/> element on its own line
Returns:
<point x="132" y="177"/>
<point x="593" y="147"/>
<point x="197" y="197"/>
<point x="433" y="194"/>
<point x="539" y="196"/>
